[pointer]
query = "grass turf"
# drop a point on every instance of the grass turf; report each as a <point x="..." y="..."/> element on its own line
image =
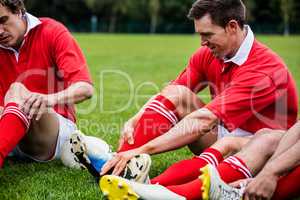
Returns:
<point x="127" y="70"/>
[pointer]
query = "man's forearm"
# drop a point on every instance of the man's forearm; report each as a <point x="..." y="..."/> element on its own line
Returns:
<point x="75" y="93"/>
<point x="286" y="156"/>
<point x="288" y="140"/>
<point x="284" y="162"/>
<point x="185" y="132"/>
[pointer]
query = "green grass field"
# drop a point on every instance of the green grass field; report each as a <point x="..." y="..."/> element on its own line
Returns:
<point x="127" y="69"/>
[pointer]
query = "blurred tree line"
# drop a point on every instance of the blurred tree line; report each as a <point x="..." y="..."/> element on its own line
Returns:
<point x="159" y="16"/>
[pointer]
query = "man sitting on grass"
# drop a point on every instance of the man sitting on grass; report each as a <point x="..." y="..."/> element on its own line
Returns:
<point x="43" y="74"/>
<point x="270" y="155"/>
<point x="250" y="85"/>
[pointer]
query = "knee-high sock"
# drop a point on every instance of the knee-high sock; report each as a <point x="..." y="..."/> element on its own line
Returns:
<point x="190" y="190"/>
<point x="13" y="126"/>
<point x="288" y="186"/>
<point x="159" y="116"/>
<point x="231" y="169"/>
<point x="188" y="170"/>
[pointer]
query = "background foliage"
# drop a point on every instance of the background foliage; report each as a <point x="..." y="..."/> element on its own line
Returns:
<point x="162" y="16"/>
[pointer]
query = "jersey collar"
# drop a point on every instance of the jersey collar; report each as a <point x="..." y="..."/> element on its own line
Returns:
<point x="242" y="54"/>
<point x="32" y="22"/>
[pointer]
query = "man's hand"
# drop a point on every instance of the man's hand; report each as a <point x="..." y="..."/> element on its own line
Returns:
<point x="127" y="133"/>
<point x="37" y="104"/>
<point x="261" y="187"/>
<point x="119" y="162"/>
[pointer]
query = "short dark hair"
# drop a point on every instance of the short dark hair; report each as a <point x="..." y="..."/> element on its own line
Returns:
<point x="220" y="11"/>
<point x="15" y="6"/>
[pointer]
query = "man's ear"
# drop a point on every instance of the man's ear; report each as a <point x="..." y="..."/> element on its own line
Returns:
<point x="20" y="14"/>
<point x="232" y="26"/>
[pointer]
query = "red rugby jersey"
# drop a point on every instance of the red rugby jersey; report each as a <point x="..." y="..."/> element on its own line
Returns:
<point x="260" y="93"/>
<point x="49" y="61"/>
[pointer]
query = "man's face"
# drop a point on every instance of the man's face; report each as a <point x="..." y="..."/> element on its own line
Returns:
<point x="215" y="37"/>
<point x="12" y="28"/>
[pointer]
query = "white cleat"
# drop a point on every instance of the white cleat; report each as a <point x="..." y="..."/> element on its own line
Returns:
<point x="78" y="151"/>
<point x="90" y="153"/>
<point x="110" y="186"/>
<point x="68" y="158"/>
<point x="213" y="188"/>
<point x="137" y="169"/>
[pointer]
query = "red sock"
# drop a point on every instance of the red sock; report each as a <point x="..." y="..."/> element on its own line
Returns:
<point x="13" y="126"/>
<point x="188" y="170"/>
<point x="230" y="170"/>
<point x="159" y="116"/>
<point x="288" y="187"/>
<point x="233" y="169"/>
<point x="190" y="190"/>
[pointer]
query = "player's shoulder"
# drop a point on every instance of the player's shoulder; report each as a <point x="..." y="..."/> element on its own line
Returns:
<point x="262" y="53"/>
<point x="51" y="26"/>
<point x="264" y="62"/>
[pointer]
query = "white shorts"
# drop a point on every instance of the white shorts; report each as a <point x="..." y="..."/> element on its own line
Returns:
<point x="223" y="132"/>
<point x="66" y="128"/>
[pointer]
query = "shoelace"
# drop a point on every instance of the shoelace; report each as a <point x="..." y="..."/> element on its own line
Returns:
<point x="232" y="194"/>
<point x="242" y="186"/>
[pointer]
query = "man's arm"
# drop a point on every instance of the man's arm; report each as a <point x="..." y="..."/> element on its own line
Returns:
<point x="286" y="157"/>
<point x="186" y="131"/>
<point x="288" y="140"/>
<point x="192" y="127"/>
<point x="282" y="162"/>
<point x="75" y="93"/>
<point x="285" y="162"/>
<point x="37" y="103"/>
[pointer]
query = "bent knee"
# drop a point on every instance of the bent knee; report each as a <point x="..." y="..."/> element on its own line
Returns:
<point x="268" y="140"/>
<point x="176" y="93"/>
<point x="183" y="99"/>
<point x="16" y="86"/>
<point x="16" y="92"/>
